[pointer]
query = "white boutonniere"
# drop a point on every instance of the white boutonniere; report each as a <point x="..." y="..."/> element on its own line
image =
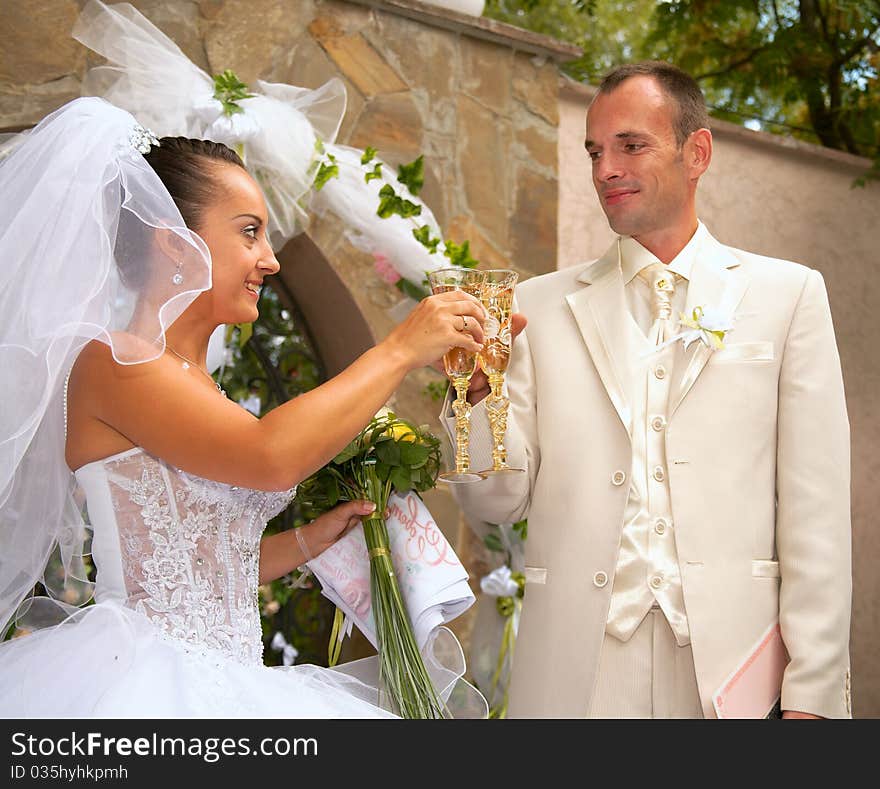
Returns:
<point x="708" y="326"/>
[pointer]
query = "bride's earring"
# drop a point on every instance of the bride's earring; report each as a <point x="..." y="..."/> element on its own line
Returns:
<point x="177" y="279"/>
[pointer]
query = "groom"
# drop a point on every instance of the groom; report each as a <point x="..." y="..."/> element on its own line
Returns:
<point x="681" y="500"/>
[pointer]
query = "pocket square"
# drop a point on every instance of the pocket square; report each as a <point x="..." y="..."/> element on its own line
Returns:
<point x="745" y="352"/>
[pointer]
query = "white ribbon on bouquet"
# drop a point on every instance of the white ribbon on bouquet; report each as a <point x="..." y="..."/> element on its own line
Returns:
<point x="434" y="587"/>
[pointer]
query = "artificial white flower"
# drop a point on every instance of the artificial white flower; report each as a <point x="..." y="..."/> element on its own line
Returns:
<point x="499" y="583"/>
<point x="710" y="326"/>
<point x="289" y="652"/>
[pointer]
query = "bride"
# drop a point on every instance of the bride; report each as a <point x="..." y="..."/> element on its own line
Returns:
<point x="120" y="256"/>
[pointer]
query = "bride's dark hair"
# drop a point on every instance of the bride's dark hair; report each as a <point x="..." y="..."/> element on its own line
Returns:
<point x="180" y="164"/>
<point x="184" y="166"/>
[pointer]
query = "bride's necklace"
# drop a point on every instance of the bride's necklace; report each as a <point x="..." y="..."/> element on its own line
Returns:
<point x="187" y="363"/>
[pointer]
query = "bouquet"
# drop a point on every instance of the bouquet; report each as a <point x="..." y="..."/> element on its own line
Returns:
<point x="389" y="455"/>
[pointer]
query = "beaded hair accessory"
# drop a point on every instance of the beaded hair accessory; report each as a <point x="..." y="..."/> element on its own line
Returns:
<point x="142" y="139"/>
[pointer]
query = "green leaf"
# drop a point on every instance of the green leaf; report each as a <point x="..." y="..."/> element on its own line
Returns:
<point x="374" y="174"/>
<point x="245" y="332"/>
<point x="369" y="155"/>
<point x="436" y="390"/>
<point x="423" y="236"/>
<point x="387" y="196"/>
<point x="391" y="203"/>
<point x="412" y="175"/>
<point x="412" y="454"/>
<point x="388" y="452"/>
<point x="326" y="171"/>
<point x="460" y="255"/>
<point x="493" y="542"/>
<point x="400" y="479"/>
<point x="333" y="491"/>
<point x="406" y="287"/>
<point x="522" y="528"/>
<point x="348" y="453"/>
<point x="228" y="90"/>
<point x="383" y="471"/>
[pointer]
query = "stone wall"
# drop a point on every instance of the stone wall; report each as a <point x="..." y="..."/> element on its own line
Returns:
<point x="787" y="199"/>
<point x="483" y="111"/>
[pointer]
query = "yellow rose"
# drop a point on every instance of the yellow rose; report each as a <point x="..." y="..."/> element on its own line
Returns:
<point x="401" y="432"/>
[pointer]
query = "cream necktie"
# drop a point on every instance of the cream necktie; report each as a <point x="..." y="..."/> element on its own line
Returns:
<point x="662" y="283"/>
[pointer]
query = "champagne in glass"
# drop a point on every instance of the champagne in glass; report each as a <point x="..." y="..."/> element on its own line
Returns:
<point x="460" y="365"/>
<point x="497" y="298"/>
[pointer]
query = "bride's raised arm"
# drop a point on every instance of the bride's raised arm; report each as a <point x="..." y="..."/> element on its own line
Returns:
<point x="171" y="408"/>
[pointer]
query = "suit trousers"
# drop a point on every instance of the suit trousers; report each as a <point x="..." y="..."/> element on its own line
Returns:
<point x="648" y="676"/>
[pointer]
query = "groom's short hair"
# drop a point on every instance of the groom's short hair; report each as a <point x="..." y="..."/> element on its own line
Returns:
<point x="678" y="85"/>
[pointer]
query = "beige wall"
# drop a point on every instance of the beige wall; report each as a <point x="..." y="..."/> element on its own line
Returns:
<point x="795" y="201"/>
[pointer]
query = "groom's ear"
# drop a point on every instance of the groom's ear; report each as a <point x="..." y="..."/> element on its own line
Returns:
<point x="698" y="152"/>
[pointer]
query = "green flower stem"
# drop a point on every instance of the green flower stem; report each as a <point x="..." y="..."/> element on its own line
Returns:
<point x="505" y="654"/>
<point x="401" y="667"/>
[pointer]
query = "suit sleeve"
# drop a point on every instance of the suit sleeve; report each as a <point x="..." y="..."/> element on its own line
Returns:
<point x="813" y="532"/>
<point x="502" y="498"/>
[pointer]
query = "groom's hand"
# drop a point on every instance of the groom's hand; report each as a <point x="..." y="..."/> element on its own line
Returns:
<point x="479" y="387"/>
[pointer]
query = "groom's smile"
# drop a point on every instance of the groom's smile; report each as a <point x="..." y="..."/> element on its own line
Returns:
<point x="614" y="197"/>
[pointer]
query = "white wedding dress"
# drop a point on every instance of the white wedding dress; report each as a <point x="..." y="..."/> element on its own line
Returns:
<point x="175" y="627"/>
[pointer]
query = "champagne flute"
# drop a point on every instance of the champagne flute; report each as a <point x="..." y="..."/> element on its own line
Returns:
<point x="460" y="365"/>
<point x="496" y="296"/>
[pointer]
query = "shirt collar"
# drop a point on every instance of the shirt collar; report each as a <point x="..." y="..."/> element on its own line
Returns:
<point x="634" y="257"/>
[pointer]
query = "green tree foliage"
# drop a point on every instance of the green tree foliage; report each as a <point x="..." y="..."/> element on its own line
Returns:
<point x="609" y="31"/>
<point x="807" y="68"/>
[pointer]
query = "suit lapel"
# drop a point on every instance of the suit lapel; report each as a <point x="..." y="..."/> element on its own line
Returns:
<point x="717" y="284"/>
<point x="600" y="311"/>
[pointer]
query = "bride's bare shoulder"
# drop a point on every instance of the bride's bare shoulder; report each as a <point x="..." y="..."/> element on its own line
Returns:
<point x="126" y="358"/>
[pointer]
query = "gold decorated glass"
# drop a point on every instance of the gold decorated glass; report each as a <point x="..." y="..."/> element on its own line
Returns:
<point x="496" y="295"/>
<point x="460" y="365"/>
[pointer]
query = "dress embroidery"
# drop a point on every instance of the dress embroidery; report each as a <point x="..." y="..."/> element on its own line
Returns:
<point x="190" y="552"/>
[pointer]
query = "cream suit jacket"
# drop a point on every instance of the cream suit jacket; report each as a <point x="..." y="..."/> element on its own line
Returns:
<point x="757" y="451"/>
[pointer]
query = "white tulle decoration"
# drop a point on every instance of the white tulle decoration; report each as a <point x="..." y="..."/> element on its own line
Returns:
<point x="390" y="240"/>
<point x="276" y="130"/>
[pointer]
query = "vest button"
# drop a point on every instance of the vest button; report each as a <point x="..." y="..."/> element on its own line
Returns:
<point x="660" y="372"/>
<point x="658" y="423"/>
<point x="618" y="478"/>
<point x="657" y="581"/>
<point x="600" y="579"/>
<point x="659" y="474"/>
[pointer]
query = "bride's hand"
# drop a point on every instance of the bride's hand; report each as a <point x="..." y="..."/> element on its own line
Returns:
<point x="436" y="324"/>
<point x="326" y="529"/>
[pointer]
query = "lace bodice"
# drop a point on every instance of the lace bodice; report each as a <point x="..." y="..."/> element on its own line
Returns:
<point x="182" y="550"/>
